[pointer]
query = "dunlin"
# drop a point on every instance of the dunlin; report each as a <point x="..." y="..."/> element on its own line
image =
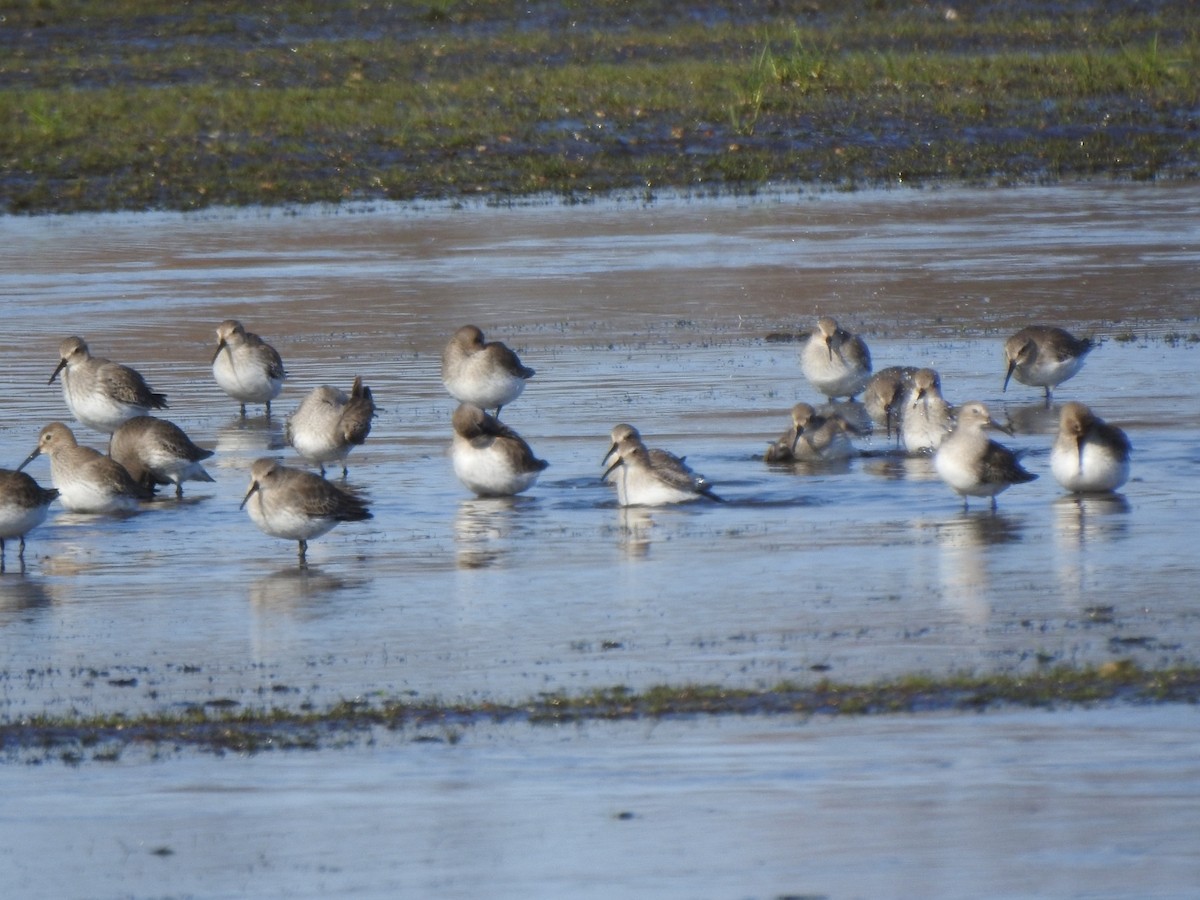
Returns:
<point x="23" y="506"/>
<point x="642" y="482"/>
<point x="102" y="394"/>
<point x="297" y="505"/>
<point x="835" y="362"/>
<point x="1044" y="356"/>
<point x="246" y="367"/>
<point x="487" y="375"/>
<point x="329" y="424"/>
<point x="489" y="457"/>
<point x="1088" y="454"/>
<point x="884" y="396"/>
<point x="974" y="465"/>
<point x="813" y="438"/>
<point x="86" y="479"/>
<point x="927" y="417"/>
<point x="156" y="451"/>
<point x="657" y="456"/>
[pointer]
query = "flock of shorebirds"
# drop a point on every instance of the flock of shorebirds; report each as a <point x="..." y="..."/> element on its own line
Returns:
<point x="1088" y="455"/>
<point x="491" y="459"/>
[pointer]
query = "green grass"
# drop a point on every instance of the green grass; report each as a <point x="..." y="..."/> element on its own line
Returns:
<point x="148" y="104"/>
<point x="219" y="728"/>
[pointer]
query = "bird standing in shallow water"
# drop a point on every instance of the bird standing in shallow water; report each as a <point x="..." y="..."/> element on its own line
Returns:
<point x="297" y="505"/>
<point x="328" y="424"/>
<point x="813" y="438"/>
<point x="1044" y="356"/>
<point x="246" y="367"/>
<point x="927" y="417"/>
<point x="100" y="393"/>
<point x="835" y="362"/>
<point x="157" y="451"/>
<point x="490" y="458"/>
<point x="884" y="395"/>
<point x="86" y="479"/>
<point x="23" y="506"/>
<point x="1088" y="454"/>
<point x="657" y="456"/>
<point x="643" y="482"/>
<point x="484" y="374"/>
<point x="974" y="465"/>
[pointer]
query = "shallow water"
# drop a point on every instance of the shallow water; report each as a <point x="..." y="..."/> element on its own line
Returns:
<point x="667" y="316"/>
<point x="1014" y="804"/>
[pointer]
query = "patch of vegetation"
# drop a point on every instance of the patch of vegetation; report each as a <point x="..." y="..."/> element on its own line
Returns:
<point x="222" y="729"/>
<point x="146" y="104"/>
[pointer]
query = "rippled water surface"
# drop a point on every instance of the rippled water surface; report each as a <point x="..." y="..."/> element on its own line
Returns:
<point x="676" y="317"/>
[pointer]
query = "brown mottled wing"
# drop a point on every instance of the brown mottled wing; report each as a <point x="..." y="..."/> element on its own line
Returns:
<point x="128" y="386"/>
<point x="1002" y="466"/>
<point x="509" y="360"/>
<point x="327" y="501"/>
<point x="357" y="416"/>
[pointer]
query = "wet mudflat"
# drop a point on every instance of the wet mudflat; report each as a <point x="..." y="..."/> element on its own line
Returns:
<point x="676" y="317"/>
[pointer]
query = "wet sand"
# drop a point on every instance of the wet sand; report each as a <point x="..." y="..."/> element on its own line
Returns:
<point x="674" y="317"/>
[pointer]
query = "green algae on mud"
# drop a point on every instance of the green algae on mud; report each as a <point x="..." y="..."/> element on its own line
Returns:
<point x="217" y="728"/>
<point x="144" y="104"/>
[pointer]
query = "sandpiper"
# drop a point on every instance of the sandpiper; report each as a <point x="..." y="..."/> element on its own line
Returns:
<point x="813" y="438"/>
<point x="1044" y="356"/>
<point x="835" y="362"/>
<point x="643" y="482"/>
<point x="157" y="451"/>
<point x="86" y="479"/>
<point x="489" y="457"/>
<point x="927" y="417"/>
<point x="23" y="506"/>
<point x="884" y="396"/>
<point x="246" y="367"/>
<point x="1088" y="454"/>
<point x="974" y="465"/>
<point x="657" y="456"/>
<point x="487" y="375"/>
<point x="102" y="394"/>
<point x="328" y="424"/>
<point x="297" y="505"/>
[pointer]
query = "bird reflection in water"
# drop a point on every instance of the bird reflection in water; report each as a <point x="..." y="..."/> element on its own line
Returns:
<point x="20" y="597"/>
<point x="301" y="592"/>
<point x="965" y="543"/>
<point x="634" y="527"/>
<point x="1083" y="525"/>
<point x="484" y="528"/>
<point x="251" y="436"/>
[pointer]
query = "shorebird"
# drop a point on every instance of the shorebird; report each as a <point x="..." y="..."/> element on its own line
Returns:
<point x="487" y="375"/>
<point x="297" y="505"/>
<point x="246" y="367"/>
<point x="974" y="465"/>
<point x="1088" y="454"/>
<point x="657" y="456"/>
<point x="642" y="482"/>
<point x="884" y="394"/>
<point x="1044" y="356"/>
<point x="328" y="424"/>
<point x="86" y="479"/>
<point x="835" y="362"/>
<point x="927" y="417"/>
<point x="102" y="394"/>
<point x="23" y="506"/>
<point x="813" y="438"/>
<point x="156" y="451"/>
<point x="490" y="458"/>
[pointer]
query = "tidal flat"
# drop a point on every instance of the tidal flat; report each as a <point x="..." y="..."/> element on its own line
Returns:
<point x="615" y="634"/>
